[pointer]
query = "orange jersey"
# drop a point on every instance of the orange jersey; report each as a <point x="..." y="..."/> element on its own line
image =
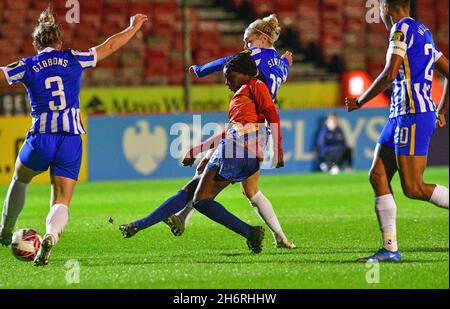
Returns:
<point x="249" y="103"/>
<point x="250" y="106"/>
<point x="253" y="104"/>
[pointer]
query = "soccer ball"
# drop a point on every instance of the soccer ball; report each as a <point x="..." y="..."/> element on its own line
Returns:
<point x="25" y="244"/>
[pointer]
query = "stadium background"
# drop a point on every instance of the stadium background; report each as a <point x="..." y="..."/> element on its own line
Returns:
<point x="131" y="100"/>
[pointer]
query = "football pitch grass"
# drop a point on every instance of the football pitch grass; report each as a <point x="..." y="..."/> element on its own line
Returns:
<point x="330" y="218"/>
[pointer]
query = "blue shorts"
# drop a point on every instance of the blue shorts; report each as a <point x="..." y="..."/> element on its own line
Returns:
<point x="62" y="153"/>
<point x="409" y="135"/>
<point x="233" y="168"/>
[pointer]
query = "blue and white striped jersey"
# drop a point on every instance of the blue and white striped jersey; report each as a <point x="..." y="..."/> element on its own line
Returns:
<point x="274" y="68"/>
<point x="411" y="93"/>
<point x="53" y="81"/>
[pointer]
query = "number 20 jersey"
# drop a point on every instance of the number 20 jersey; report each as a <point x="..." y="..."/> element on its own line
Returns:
<point x="53" y="81"/>
<point x="411" y="93"/>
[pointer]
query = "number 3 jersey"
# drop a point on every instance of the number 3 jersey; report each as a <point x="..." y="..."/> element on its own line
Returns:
<point x="53" y="81"/>
<point x="411" y="93"/>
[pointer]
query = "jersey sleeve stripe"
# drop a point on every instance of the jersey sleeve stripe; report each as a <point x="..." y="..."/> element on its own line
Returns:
<point x="94" y="52"/>
<point x="81" y="54"/>
<point x="85" y="58"/>
<point x="87" y="64"/>
<point x="14" y="75"/>
<point x="16" y="70"/>
<point x="17" y="77"/>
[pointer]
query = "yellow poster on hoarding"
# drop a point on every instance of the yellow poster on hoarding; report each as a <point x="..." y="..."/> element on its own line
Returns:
<point x="204" y="98"/>
<point x="12" y="135"/>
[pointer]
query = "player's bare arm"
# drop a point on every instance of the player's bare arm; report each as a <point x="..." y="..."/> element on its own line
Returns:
<point x="442" y="67"/>
<point x="118" y="40"/>
<point x="383" y="81"/>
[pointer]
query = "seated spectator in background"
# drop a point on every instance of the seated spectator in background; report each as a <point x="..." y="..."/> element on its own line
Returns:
<point x="334" y="153"/>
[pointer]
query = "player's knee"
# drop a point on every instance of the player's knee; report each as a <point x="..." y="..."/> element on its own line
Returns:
<point x="21" y="177"/>
<point x="413" y="190"/>
<point x="377" y="180"/>
<point x="250" y="192"/>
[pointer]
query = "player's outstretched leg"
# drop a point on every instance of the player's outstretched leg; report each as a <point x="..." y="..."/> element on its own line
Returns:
<point x="383" y="169"/>
<point x="57" y="219"/>
<point x="177" y="222"/>
<point x="265" y="211"/>
<point x="164" y="213"/>
<point x="15" y="201"/>
<point x="216" y="212"/>
<point x="209" y="187"/>
<point x="169" y="207"/>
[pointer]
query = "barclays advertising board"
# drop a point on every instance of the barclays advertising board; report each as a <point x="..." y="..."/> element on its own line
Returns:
<point x="150" y="146"/>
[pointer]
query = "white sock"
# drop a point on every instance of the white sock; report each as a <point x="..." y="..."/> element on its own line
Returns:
<point x="14" y="203"/>
<point x="386" y="210"/>
<point x="264" y="209"/>
<point x="57" y="220"/>
<point x="440" y="197"/>
<point x="186" y="214"/>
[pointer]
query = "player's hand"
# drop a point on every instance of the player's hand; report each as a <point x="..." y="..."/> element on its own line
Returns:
<point x="138" y="20"/>
<point x="192" y="70"/>
<point x="188" y="160"/>
<point x="288" y="56"/>
<point x="441" y="122"/>
<point x="352" y="104"/>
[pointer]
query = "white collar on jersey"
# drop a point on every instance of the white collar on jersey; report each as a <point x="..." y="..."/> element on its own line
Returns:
<point x="47" y="50"/>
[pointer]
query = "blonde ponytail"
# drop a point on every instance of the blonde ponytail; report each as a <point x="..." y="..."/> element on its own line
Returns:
<point x="268" y="26"/>
<point x="47" y="32"/>
<point x="46" y="18"/>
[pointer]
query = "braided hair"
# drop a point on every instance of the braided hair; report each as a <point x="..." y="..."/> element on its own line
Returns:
<point x="245" y="64"/>
<point x="47" y="32"/>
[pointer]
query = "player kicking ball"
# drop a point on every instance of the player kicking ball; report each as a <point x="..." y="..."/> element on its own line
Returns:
<point x="53" y="80"/>
<point x="403" y="145"/>
<point x="238" y="156"/>
<point x="259" y="37"/>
